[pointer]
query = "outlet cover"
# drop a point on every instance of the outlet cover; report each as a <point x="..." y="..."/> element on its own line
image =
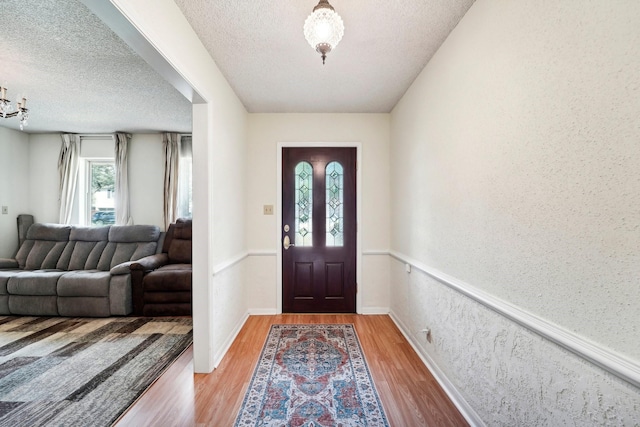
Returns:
<point x="267" y="210"/>
<point x="5" y="210"/>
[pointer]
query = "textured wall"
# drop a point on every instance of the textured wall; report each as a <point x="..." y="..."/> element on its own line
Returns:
<point x="509" y="375"/>
<point x="14" y="186"/>
<point x="516" y="162"/>
<point x="229" y="300"/>
<point x="515" y="168"/>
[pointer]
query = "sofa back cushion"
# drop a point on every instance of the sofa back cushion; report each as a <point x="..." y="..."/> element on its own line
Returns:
<point x="84" y="249"/>
<point x="128" y="243"/>
<point x="179" y="249"/>
<point x="43" y="246"/>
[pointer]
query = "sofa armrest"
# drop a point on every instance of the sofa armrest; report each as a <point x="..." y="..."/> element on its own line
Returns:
<point x="138" y="269"/>
<point x="150" y="262"/>
<point x="8" y="263"/>
<point x="122" y="268"/>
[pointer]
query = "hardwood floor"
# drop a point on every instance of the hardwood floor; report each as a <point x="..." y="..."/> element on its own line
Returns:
<point x="409" y="393"/>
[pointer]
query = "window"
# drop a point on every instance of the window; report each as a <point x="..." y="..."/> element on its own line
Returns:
<point x="94" y="201"/>
<point x="185" y="181"/>
<point x="304" y="204"/>
<point x="334" y="204"/>
<point x="100" y="207"/>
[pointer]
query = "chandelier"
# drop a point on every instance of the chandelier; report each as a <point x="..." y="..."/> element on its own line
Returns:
<point x="21" y="108"/>
<point x="323" y="29"/>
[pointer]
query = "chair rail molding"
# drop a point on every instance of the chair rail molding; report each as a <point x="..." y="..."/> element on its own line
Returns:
<point x="228" y="263"/>
<point x="606" y="359"/>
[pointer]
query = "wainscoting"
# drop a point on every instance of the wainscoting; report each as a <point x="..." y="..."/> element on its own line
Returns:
<point x="503" y="366"/>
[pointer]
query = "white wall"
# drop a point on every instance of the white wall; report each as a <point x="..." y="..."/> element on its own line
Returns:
<point x="515" y="168"/>
<point x="219" y="141"/>
<point x="146" y="179"/>
<point x="146" y="175"/>
<point x="43" y="177"/>
<point x="14" y="186"/>
<point x="265" y="132"/>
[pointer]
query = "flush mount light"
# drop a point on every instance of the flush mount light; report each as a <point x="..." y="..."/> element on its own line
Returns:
<point x="323" y="29"/>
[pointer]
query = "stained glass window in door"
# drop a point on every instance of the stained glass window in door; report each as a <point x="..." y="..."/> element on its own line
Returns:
<point x="335" y="203"/>
<point x="304" y="204"/>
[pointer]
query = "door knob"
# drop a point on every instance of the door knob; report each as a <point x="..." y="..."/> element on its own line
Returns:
<point x="286" y="243"/>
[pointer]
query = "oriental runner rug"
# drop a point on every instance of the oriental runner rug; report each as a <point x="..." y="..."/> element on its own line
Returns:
<point x="57" y="371"/>
<point x="311" y="376"/>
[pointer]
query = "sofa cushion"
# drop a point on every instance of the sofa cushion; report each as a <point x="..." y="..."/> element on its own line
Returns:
<point x="6" y="263"/>
<point x="84" y="306"/>
<point x="44" y="255"/>
<point x="172" y="277"/>
<point x="180" y="251"/>
<point x="4" y="305"/>
<point x="167" y="297"/>
<point x="117" y="253"/>
<point x="53" y="232"/>
<point x="84" y="283"/>
<point x="84" y="249"/>
<point x="134" y="233"/>
<point x="5" y="275"/>
<point x="34" y="252"/>
<point x="46" y="305"/>
<point x="38" y="282"/>
<point x="90" y="234"/>
<point x="128" y="243"/>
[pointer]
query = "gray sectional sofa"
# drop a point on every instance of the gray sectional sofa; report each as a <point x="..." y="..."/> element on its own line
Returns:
<point x="74" y="271"/>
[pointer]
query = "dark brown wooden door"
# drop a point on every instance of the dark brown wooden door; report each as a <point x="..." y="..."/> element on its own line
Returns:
<point x="319" y="220"/>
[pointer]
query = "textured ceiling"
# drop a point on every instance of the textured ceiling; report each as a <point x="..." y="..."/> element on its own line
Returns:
<point x="260" y="48"/>
<point x="78" y="75"/>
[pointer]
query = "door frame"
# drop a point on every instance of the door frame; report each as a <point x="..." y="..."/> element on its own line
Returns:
<point x="278" y="212"/>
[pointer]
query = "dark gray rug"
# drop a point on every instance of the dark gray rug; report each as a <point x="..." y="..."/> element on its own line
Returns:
<point x="57" y="371"/>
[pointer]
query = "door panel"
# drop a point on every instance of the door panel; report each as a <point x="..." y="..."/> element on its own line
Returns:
<point x="334" y="279"/>
<point x="303" y="280"/>
<point x="319" y="218"/>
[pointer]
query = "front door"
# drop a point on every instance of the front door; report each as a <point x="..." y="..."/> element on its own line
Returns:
<point x="319" y="230"/>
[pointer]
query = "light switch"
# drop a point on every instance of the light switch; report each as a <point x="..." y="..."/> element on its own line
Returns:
<point x="5" y="210"/>
<point x="268" y="209"/>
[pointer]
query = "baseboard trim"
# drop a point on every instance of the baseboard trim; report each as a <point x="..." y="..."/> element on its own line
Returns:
<point x="263" y="311"/>
<point x="230" y="339"/>
<point x="608" y="360"/>
<point x="374" y="310"/>
<point x="465" y="409"/>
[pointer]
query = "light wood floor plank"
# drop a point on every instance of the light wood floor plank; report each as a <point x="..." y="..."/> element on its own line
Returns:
<point x="409" y="393"/>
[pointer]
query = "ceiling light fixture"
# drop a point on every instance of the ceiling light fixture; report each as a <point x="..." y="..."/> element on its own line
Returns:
<point x="323" y="29"/>
<point x="21" y="108"/>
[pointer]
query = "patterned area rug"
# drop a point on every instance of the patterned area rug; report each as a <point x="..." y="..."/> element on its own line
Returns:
<point x="312" y="376"/>
<point x="57" y="371"/>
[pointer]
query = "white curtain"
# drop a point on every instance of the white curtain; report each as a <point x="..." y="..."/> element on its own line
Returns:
<point x="123" y="216"/>
<point x="184" y="178"/>
<point x="171" y="158"/>
<point x="68" y="172"/>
